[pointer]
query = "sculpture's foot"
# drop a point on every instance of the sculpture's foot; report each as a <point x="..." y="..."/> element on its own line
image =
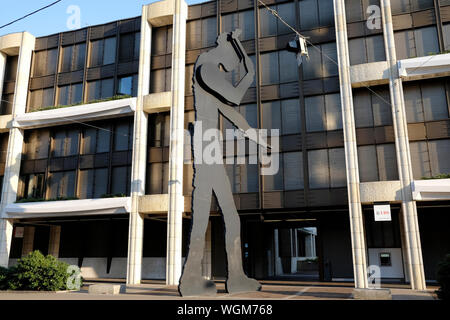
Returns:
<point x="197" y="286"/>
<point x="242" y="283"/>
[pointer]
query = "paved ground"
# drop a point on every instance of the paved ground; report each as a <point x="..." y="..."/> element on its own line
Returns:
<point x="272" y="290"/>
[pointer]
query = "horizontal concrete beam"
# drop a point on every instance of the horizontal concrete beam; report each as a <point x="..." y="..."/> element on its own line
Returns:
<point x="10" y="43"/>
<point x="158" y="102"/>
<point x="369" y="74"/>
<point x="431" y="190"/>
<point x="424" y="67"/>
<point x="5" y="123"/>
<point x="154" y="204"/>
<point x="380" y="191"/>
<point x="161" y="13"/>
<point x="69" y="115"/>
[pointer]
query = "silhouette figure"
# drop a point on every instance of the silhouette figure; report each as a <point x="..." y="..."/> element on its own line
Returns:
<point x="214" y="94"/>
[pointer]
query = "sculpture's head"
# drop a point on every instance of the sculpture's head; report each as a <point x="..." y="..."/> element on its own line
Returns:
<point x="229" y="50"/>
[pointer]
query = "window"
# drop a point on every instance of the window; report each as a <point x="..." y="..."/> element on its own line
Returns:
<point x="293" y="170"/>
<point x="161" y="80"/>
<point x="123" y="136"/>
<point x="278" y="67"/>
<point x="425" y="101"/>
<point x="158" y="177"/>
<point x="45" y="62"/>
<point x="316" y="13"/>
<point x="73" y="57"/>
<point x="283" y="115"/>
<point x="129" y="47"/>
<point x="92" y="184"/>
<point x="275" y="182"/>
<point x="162" y="40"/>
<point x="365" y="50"/>
<point x="243" y="178"/>
<point x="96" y="140"/>
<point x="372" y="107"/>
<point x="321" y="62"/>
<point x="201" y="33"/>
<point x="37" y="144"/>
<point x="103" y="52"/>
<point x="356" y="10"/>
<point x="41" y="98"/>
<point x="70" y="94"/>
<point x="271" y="26"/>
<point x="62" y="185"/>
<point x="128" y="85"/>
<point x="377" y="163"/>
<point x="121" y="180"/>
<point x="416" y="43"/>
<point x="327" y="168"/>
<point x="430" y="158"/>
<point x="446" y="33"/>
<point x="189" y="80"/>
<point x="245" y="21"/>
<point x="159" y="130"/>
<point x="32" y="186"/>
<point x="65" y="143"/>
<point x="323" y="113"/>
<point x="100" y="89"/>
<point x="402" y="6"/>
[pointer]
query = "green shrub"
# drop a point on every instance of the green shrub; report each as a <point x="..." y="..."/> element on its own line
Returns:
<point x="4" y="276"/>
<point x="36" y="272"/>
<point x="443" y="277"/>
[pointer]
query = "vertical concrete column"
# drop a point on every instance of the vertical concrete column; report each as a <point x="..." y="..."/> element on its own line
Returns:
<point x="3" y="58"/>
<point x="53" y="243"/>
<point x="28" y="240"/>
<point x="207" y="255"/>
<point x="136" y="228"/>
<point x="351" y="151"/>
<point x="176" y="200"/>
<point x="15" y="144"/>
<point x="410" y="221"/>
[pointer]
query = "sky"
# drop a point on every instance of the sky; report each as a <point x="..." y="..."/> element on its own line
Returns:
<point x="55" y="19"/>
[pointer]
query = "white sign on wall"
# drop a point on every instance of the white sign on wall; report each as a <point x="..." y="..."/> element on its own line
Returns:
<point x="382" y="212"/>
<point x="19" y="232"/>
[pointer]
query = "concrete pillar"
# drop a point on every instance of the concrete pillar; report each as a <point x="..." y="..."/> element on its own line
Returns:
<point x="176" y="200"/>
<point x="207" y="255"/>
<point x="25" y="43"/>
<point x="3" y="58"/>
<point x="351" y="151"/>
<point x="136" y="227"/>
<point x="28" y="241"/>
<point x="410" y="222"/>
<point x="53" y="243"/>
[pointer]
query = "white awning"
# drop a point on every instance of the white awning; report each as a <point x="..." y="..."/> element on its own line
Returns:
<point x="76" y="114"/>
<point x="68" y="208"/>
<point x="424" y="67"/>
<point x="431" y="190"/>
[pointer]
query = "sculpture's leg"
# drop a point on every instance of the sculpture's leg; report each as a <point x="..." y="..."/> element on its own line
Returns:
<point x="192" y="282"/>
<point x="237" y="279"/>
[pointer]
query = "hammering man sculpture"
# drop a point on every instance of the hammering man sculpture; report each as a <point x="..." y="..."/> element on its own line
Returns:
<point x="214" y="94"/>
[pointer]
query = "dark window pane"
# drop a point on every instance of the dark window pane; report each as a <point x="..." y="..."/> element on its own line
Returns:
<point x="288" y="66"/>
<point x="426" y="41"/>
<point x="11" y="68"/>
<point x="96" y="53"/>
<point x="121" y="137"/>
<point x="63" y="96"/>
<point x="193" y="34"/>
<point x="126" y="47"/>
<point x="338" y="178"/>
<point x="94" y="90"/>
<point x="434" y="101"/>
<point x="381" y="105"/>
<point x="103" y="139"/>
<point x="109" y="54"/>
<point x="353" y="10"/>
<point x="315" y="113"/>
<point x="270" y="68"/>
<point x="209" y="32"/>
<point x="308" y="14"/>
<point x="47" y="97"/>
<point x="387" y="162"/>
<point x="89" y="140"/>
<point x="420" y="159"/>
<point x="290" y="110"/>
<point x="413" y="103"/>
<point x="77" y="93"/>
<point x="100" y="183"/>
<point x="72" y="143"/>
<point x="293" y="171"/>
<point x="86" y="184"/>
<point x="39" y="63"/>
<point x="319" y="175"/>
<point x="107" y="90"/>
<point x="357" y="50"/>
<point x="58" y="143"/>
<point x="333" y="111"/>
<point x="159" y="41"/>
<point x="66" y="63"/>
<point x="52" y="61"/>
<point x="439" y="155"/>
<point x="125" y="86"/>
<point x="271" y="115"/>
<point x="275" y="182"/>
<point x="119" y="180"/>
<point x="79" y="57"/>
<point x="287" y="11"/>
<point x="367" y="163"/>
<point x="326" y="12"/>
<point x="268" y="23"/>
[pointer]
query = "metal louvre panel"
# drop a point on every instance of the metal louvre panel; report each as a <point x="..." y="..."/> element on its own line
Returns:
<point x="42" y="82"/>
<point x="228" y="5"/>
<point x="273" y="200"/>
<point x="209" y="9"/>
<point x="423" y="18"/>
<point x="403" y="21"/>
<point x="294" y="199"/>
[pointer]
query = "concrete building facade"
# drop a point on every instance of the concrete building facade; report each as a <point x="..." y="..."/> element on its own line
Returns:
<point x="95" y="159"/>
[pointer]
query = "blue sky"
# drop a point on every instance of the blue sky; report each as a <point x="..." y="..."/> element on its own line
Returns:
<point x="54" y="19"/>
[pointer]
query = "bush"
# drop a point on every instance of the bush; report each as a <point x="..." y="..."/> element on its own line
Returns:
<point x="443" y="277"/>
<point x="35" y="272"/>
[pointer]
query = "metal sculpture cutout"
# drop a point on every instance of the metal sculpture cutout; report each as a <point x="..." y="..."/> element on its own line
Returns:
<point x="214" y="94"/>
